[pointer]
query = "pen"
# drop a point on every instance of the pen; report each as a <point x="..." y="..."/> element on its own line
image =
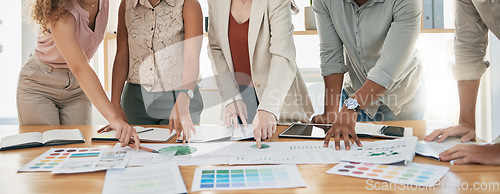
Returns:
<point x="147" y="149"/>
<point x="150" y="129"/>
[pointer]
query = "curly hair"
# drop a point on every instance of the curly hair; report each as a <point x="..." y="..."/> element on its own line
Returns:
<point x="46" y="11"/>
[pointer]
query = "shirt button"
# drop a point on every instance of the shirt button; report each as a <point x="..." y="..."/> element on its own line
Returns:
<point x="152" y="29"/>
<point x="150" y="69"/>
<point x="257" y="85"/>
<point x="152" y="9"/>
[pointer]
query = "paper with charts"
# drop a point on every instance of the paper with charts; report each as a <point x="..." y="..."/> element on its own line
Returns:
<point x="413" y="174"/>
<point x="304" y="152"/>
<point x="54" y="157"/>
<point x="247" y="177"/>
<point x="182" y="154"/>
<point x="91" y="162"/>
<point x="383" y="152"/>
<point x="159" y="178"/>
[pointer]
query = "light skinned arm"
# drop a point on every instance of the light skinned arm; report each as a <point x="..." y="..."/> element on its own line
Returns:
<point x="180" y="117"/>
<point x="471" y="41"/>
<point x="67" y="44"/>
<point x="226" y="83"/>
<point x="466" y="128"/>
<point x="121" y="63"/>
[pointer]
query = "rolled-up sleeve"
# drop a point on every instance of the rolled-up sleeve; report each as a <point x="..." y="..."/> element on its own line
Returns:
<point x="399" y="43"/>
<point x="471" y="41"/>
<point x="331" y="47"/>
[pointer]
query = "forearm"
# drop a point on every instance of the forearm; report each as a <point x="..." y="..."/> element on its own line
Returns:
<point x="333" y="88"/>
<point x="120" y="74"/>
<point x="368" y="93"/>
<point x="467" y="91"/>
<point x="91" y="85"/>
<point x="191" y="69"/>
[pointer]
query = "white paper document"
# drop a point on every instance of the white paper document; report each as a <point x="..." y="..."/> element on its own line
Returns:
<point x="383" y="152"/>
<point x="305" y="152"/>
<point x="247" y="177"/>
<point x="91" y="162"/>
<point x="159" y="178"/>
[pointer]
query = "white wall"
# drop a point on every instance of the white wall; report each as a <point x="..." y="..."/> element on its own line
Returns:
<point x="495" y="84"/>
<point x="10" y="58"/>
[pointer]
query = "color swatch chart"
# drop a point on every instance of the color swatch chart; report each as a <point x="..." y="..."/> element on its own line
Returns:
<point x="247" y="177"/>
<point x="413" y="174"/>
<point x="55" y="157"/>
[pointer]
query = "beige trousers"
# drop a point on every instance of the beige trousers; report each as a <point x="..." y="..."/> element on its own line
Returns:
<point x="50" y="96"/>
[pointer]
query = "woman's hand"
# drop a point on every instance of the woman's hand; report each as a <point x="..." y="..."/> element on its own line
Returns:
<point x="233" y="111"/>
<point x="180" y="118"/>
<point x="125" y="133"/>
<point x="466" y="131"/>
<point x="345" y="126"/>
<point x="264" y="126"/>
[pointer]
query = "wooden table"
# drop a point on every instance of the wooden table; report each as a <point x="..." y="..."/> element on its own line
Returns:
<point x="315" y="177"/>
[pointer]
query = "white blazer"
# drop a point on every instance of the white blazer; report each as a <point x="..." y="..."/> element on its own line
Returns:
<point x="279" y="85"/>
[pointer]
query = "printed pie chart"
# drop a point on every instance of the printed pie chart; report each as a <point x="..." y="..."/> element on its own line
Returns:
<point x="178" y="150"/>
<point x="262" y="146"/>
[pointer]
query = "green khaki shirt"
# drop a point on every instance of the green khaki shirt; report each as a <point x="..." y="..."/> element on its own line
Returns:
<point x="374" y="42"/>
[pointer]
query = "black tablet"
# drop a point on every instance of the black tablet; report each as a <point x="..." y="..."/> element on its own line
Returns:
<point x="309" y="131"/>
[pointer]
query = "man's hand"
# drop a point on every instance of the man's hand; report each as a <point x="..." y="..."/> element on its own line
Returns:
<point x="345" y="126"/>
<point x="468" y="154"/>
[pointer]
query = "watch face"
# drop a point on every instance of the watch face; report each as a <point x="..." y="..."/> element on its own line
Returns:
<point x="351" y="103"/>
<point x="190" y="93"/>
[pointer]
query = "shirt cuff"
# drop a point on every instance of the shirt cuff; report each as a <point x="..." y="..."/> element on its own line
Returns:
<point x="380" y="77"/>
<point x="463" y="72"/>
<point x="332" y="68"/>
<point x="231" y="100"/>
<point x="272" y="109"/>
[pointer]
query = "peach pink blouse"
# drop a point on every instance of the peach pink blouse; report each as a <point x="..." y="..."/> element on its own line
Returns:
<point x="46" y="49"/>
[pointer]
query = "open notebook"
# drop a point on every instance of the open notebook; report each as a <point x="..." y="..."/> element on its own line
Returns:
<point x="48" y="138"/>
<point x="153" y="135"/>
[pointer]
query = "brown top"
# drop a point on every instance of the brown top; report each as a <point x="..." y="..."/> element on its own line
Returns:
<point x="238" y="41"/>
